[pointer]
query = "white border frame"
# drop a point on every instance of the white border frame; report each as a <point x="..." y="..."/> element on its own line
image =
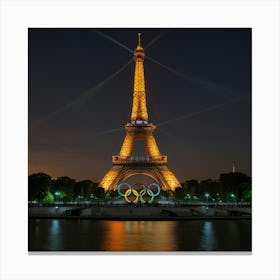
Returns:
<point x="17" y="16"/>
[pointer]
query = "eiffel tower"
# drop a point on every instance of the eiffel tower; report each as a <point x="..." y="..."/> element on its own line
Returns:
<point x="139" y="128"/>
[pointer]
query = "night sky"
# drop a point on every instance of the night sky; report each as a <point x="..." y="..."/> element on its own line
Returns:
<point x="198" y="86"/>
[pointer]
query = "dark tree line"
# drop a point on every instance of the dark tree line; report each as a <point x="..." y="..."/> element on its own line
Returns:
<point x="229" y="187"/>
<point x="42" y="188"/>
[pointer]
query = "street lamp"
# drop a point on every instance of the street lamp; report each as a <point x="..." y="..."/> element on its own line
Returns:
<point x="207" y="196"/>
<point x="56" y="194"/>
<point x="218" y="197"/>
<point x="232" y="196"/>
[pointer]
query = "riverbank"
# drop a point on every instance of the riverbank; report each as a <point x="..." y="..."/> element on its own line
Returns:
<point x="146" y="218"/>
<point x="133" y="212"/>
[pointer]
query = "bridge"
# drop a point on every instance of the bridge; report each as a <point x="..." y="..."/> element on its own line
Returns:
<point x="107" y="211"/>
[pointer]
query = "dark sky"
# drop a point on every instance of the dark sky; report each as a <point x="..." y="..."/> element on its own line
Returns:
<point x="200" y="98"/>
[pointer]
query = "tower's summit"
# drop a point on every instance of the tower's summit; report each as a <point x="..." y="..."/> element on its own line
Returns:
<point x="139" y="51"/>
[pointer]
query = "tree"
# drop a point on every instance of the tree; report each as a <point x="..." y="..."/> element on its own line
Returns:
<point x="191" y="186"/>
<point x="49" y="198"/>
<point x="84" y="189"/>
<point x="246" y="190"/>
<point x="99" y="192"/>
<point x="179" y="193"/>
<point x="65" y="187"/>
<point x="232" y="183"/>
<point x="113" y="193"/>
<point x="39" y="185"/>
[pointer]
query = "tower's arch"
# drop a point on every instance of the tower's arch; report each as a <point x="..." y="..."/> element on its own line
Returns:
<point x="131" y="173"/>
<point x="161" y="174"/>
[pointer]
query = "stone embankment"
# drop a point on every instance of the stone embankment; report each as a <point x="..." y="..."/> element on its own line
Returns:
<point x="140" y="212"/>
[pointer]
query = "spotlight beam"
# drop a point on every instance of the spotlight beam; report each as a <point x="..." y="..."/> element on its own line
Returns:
<point x="109" y="131"/>
<point x="184" y="117"/>
<point x="161" y="34"/>
<point x="118" y="43"/>
<point x="82" y="98"/>
<point x="214" y="87"/>
<point x="207" y="109"/>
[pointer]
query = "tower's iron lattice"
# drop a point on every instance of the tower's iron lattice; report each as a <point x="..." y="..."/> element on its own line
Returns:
<point x="139" y="128"/>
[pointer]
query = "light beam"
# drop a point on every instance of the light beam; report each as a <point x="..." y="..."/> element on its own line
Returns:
<point x="82" y="98"/>
<point x="213" y="87"/>
<point x="161" y="34"/>
<point x="112" y="40"/>
<point x="207" y="109"/>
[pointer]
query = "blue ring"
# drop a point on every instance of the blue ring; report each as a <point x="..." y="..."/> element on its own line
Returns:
<point x="119" y="188"/>
<point x="158" y="187"/>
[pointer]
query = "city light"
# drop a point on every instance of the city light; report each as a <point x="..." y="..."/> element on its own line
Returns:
<point x="207" y="196"/>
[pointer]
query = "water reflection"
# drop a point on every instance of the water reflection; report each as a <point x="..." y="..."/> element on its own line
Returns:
<point x="37" y="227"/>
<point x="139" y="236"/>
<point x="55" y="226"/>
<point x="92" y="235"/>
<point x="55" y="241"/>
<point x="208" y="240"/>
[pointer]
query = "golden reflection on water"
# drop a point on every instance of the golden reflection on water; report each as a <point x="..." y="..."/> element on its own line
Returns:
<point x="139" y="236"/>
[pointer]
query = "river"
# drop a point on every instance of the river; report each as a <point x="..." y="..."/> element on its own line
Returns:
<point x="150" y="236"/>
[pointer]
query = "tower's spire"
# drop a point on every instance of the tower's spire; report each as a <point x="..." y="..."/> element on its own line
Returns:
<point x="139" y="108"/>
<point x="139" y="39"/>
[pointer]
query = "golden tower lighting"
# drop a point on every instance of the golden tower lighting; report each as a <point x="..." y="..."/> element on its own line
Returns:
<point x="139" y="128"/>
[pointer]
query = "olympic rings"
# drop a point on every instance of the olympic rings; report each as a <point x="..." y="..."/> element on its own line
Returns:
<point x="138" y="195"/>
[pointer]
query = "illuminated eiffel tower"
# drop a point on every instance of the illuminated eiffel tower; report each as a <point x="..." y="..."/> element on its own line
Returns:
<point x="153" y="164"/>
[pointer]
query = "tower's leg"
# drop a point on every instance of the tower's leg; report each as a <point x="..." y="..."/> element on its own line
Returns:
<point x="169" y="180"/>
<point x="127" y="146"/>
<point x="110" y="177"/>
<point x="152" y="147"/>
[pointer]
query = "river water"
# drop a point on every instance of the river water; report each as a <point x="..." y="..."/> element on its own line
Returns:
<point x="97" y="235"/>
